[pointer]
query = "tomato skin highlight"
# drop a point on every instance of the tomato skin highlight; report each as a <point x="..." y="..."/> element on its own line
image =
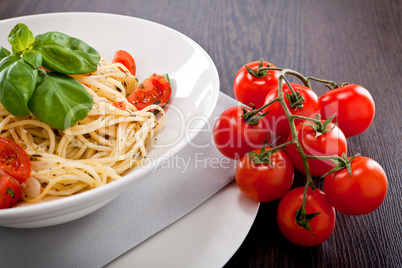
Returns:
<point x="264" y="182"/>
<point x="155" y="89"/>
<point x="328" y="144"/>
<point x="277" y="119"/>
<point x="14" y="160"/>
<point x="250" y="89"/>
<point x="353" y="107"/>
<point x="10" y="192"/>
<point x="126" y="59"/>
<point x="358" y="194"/>
<point x="322" y="225"/>
<point x="233" y="137"/>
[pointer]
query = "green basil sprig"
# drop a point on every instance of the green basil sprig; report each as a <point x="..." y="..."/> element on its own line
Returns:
<point x="52" y="97"/>
<point x="21" y="38"/>
<point x="17" y="83"/>
<point x="4" y="53"/>
<point x="64" y="54"/>
<point x="33" y="57"/>
<point x="60" y="94"/>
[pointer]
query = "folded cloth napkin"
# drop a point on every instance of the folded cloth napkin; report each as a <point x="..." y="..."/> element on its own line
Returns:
<point x="181" y="184"/>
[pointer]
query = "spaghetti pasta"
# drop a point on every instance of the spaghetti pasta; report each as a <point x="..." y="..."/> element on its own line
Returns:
<point x="98" y="149"/>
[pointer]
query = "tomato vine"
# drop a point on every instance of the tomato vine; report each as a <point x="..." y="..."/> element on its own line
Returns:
<point x="296" y="101"/>
<point x="313" y="130"/>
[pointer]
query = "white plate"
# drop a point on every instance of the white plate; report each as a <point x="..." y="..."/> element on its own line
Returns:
<point x="156" y="48"/>
<point x="196" y="240"/>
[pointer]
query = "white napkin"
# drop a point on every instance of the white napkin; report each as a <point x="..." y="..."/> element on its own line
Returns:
<point x="180" y="185"/>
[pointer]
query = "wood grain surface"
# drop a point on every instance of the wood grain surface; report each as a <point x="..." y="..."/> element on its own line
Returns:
<point x="356" y="41"/>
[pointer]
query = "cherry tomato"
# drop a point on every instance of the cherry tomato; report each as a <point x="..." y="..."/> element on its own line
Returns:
<point x="267" y="181"/>
<point x="353" y="107"/>
<point x="253" y="89"/>
<point x="10" y="192"/>
<point x="277" y="119"/>
<point x="322" y="225"/>
<point x="120" y="105"/>
<point x="155" y="89"/>
<point x="234" y="137"/>
<point x="327" y="144"/>
<point x="14" y="160"/>
<point x="126" y="59"/>
<point x="360" y="193"/>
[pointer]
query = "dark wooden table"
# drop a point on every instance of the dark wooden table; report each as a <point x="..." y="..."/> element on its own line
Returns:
<point x="357" y="41"/>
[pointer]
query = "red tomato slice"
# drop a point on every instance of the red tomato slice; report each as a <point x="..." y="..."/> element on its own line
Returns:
<point x="10" y="191"/>
<point x="14" y="160"/>
<point x="120" y="105"/>
<point x="155" y="89"/>
<point x="126" y="59"/>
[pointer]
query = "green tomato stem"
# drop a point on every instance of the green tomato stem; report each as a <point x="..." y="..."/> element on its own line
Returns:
<point x="330" y="157"/>
<point x="291" y="119"/>
<point x="293" y="131"/>
<point x="306" y="79"/>
<point x="302" y="78"/>
<point x="314" y="120"/>
<point x="282" y="145"/>
<point x="330" y="84"/>
<point x="252" y="117"/>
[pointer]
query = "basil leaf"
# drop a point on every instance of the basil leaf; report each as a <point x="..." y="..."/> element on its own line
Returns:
<point x="67" y="55"/>
<point x="17" y="83"/>
<point x="33" y="57"/>
<point x="167" y="77"/>
<point x="4" y="53"/>
<point x="59" y="100"/>
<point x="7" y="61"/>
<point x="21" y="38"/>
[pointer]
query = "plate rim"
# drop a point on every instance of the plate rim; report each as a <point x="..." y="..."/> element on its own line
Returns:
<point x="230" y="191"/>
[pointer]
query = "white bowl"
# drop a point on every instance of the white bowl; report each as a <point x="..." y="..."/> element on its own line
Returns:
<point x="156" y="48"/>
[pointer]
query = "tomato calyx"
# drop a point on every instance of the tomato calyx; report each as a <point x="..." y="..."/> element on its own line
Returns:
<point x="332" y="87"/>
<point x="342" y="163"/>
<point x="261" y="70"/>
<point x="303" y="219"/>
<point x="253" y="116"/>
<point x="321" y="127"/>
<point x="263" y="156"/>
<point x="296" y="101"/>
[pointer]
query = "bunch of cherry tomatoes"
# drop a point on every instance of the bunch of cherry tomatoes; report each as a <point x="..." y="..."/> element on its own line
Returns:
<point x="285" y="125"/>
